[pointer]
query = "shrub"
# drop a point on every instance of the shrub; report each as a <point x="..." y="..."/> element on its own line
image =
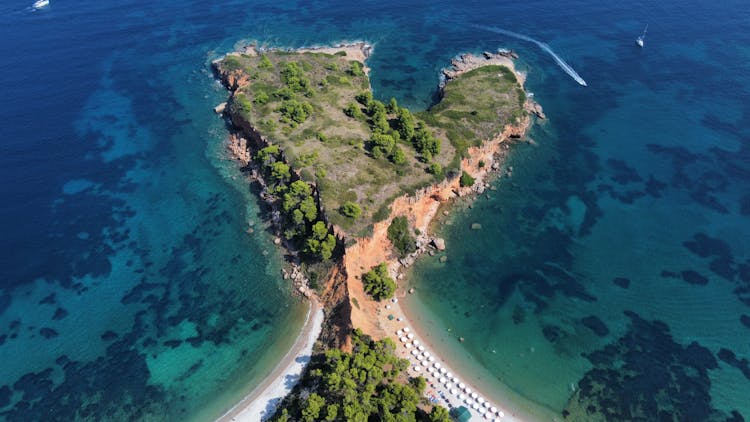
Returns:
<point x="261" y="98"/>
<point x="382" y="145"/>
<point x="294" y="112"/>
<point x="352" y="110"/>
<point x="280" y="172"/>
<point x="320" y="243"/>
<point x="398" y="157"/>
<point x="466" y="179"/>
<point x="398" y="233"/>
<point x="405" y="124"/>
<point x="435" y="168"/>
<point x="351" y="209"/>
<point x="356" y="69"/>
<point x="364" y="98"/>
<point x="392" y="106"/>
<point x="378" y="283"/>
<point x="242" y="104"/>
<point x="425" y="143"/>
<point x="294" y="77"/>
<point x="265" y="63"/>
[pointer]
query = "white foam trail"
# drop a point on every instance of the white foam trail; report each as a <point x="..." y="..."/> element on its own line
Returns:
<point x="560" y="62"/>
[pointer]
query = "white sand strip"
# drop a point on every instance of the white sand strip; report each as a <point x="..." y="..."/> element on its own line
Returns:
<point x="261" y="403"/>
<point x="464" y="393"/>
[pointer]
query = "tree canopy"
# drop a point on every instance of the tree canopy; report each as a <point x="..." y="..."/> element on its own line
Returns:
<point x="364" y="385"/>
<point x="378" y="283"/>
<point x="399" y="235"/>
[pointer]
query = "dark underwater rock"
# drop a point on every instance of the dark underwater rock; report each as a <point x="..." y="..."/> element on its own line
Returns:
<point x="48" y="333"/>
<point x="645" y="375"/>
<point x="60" y="313"/>
<point x="622" y="282"/>
<point x="109" y="335"/>
<point x="596" y="325"/>
<point x="693" y="277"/>
<point x="745" y="320"/>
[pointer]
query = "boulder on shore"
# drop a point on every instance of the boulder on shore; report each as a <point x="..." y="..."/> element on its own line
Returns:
<point x="438" y="243"/>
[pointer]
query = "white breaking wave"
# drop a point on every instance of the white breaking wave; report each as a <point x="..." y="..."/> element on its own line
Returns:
<point x="560" y="62"/>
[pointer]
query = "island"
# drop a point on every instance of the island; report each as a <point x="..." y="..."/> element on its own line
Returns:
<point x="351" y="185"/>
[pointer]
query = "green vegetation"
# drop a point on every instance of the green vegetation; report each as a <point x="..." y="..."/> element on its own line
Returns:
<point x="466" y="180"/>
<point x="321" y="243"/>
<point x="294" y="112"/>
<point x="298" y="206"/>
<point x="398" y="233"/>
<point x="367" y="384"/>
<point x="435" y="168"/>
<point x="319" y="110"/>
<point x="378" y="283"/>
<point x="351" y="210"/>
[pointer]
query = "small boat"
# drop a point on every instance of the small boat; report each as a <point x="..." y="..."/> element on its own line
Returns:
<point x="40" y="4"/>
<point x="640" y="39"/>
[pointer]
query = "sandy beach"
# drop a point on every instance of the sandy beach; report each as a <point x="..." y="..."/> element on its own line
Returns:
<point x="261" y="402"/>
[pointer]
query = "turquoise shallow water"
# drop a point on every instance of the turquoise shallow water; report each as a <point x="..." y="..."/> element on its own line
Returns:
<point x="610" y="274"/>
<point x="130" y="290"/>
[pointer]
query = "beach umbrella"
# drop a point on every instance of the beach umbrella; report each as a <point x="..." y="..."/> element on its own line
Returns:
<point x="449" y="375"/>
<point x="414" y="352"/>
<point x="426" y="354"/>
<point x="404" y="339"/>
<point x="453" y="391"/>
<point x="474" y="395"/>
<point x="469" y="402"/>
<point x="501" y="414"/>
<point x="480" y="400"/>
<point x="399" y="319"/>
<point x="421" y="348"/>
<point x="431" y="359"/>
<point x="493" y="409"/>
<point x="443" y="370"/>
<point x="417" y="368"/>
<point x="461" y="396"/>
<point x="461" y="385"/>
<point x="487" y="404"/>
<point x="399" y="333"/>
<point x="441" y="380"/>
<point x="416" y="342"/>
<point x="436" y="365"/>
<point x="475" y="406"/>
<point x="410" y="335"/>
<point x="406" y="329"/>
<point x="482" y="411"/>
<point x="408" y="346"/>
<point x="467" y="390"/>
<point x="454" y="379"/>
<point x="448" y="385"/>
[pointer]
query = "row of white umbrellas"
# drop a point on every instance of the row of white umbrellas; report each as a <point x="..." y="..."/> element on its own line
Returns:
<point x="424" y="357"/>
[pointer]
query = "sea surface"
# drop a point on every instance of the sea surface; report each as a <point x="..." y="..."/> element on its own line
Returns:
<point x="611" y="272"/>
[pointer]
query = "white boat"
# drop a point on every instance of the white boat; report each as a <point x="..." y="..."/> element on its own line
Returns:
<point x="640" y="39"/>
<point x="40" y="4"/>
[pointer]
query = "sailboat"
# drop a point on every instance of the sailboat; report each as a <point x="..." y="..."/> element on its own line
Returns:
<point x="40" y="4"/>
<point x="640" y="39"/>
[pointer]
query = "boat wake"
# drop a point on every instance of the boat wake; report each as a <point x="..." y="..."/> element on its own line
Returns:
<point x="560" y="62"/>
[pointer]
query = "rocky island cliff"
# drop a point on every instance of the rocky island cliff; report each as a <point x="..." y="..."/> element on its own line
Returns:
<point x="337" y="166"/>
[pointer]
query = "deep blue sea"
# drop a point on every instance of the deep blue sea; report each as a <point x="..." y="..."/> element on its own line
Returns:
<point x="610" y="279"/>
